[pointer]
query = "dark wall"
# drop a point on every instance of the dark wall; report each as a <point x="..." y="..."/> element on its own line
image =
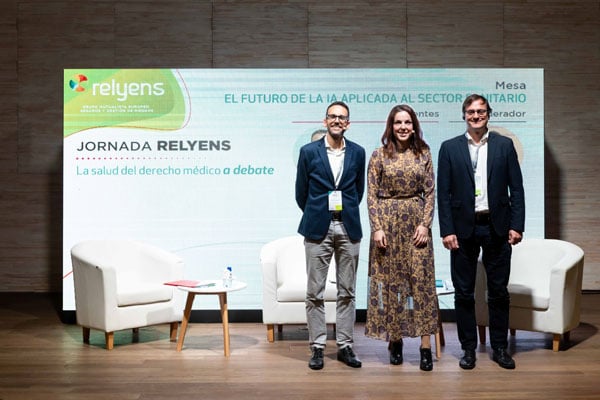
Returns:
<point x="38" y="39"/>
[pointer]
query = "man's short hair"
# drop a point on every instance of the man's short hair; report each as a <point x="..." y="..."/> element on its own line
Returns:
<point x="338" y="103"/>
<point x="474" y="97"/>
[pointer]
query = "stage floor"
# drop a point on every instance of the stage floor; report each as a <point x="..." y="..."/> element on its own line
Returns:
<point x="43" y="358"/>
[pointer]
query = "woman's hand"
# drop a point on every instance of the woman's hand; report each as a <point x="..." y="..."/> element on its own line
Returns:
<point x="379" y="239"/>
<point x="421" y="236"/>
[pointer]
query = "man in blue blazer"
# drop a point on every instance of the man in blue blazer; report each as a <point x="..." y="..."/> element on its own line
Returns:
<point x="481" y="205"/>
<point x="330" y="183"/>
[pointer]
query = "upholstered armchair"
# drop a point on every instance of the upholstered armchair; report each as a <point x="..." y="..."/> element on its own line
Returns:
<point x="119" y="284"/>
<point x="283" y="264"/>
<point x="544" y="287"/>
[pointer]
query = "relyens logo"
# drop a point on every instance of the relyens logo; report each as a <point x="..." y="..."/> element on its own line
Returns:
<point x="75" y="84"/>
<point x="123" y="90"/>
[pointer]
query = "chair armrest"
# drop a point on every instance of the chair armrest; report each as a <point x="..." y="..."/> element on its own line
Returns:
<point x="268" y="261"/>
<point x="565" y="286"/>
<point x="95" y="292"/>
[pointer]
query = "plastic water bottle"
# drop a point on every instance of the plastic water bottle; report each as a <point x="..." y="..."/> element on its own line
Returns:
<point x="228" y="277"/>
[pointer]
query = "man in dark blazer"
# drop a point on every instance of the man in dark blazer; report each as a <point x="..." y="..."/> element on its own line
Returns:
<point x="481" y="205"/>
<point x="330" y="183"/>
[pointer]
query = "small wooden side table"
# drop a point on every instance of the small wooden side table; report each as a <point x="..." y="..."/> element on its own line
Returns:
<point x="214" y="287"/>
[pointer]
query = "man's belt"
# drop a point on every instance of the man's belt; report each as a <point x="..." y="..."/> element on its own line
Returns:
<point x="482" y="218"/>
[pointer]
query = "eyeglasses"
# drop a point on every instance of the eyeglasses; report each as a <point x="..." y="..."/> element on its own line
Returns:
<point x="333" y="117"/>
<point x="479" y="112"/>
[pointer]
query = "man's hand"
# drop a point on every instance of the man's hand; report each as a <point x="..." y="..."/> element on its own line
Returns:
<point x="450" y="242"/>
<point x="514" y="237"/>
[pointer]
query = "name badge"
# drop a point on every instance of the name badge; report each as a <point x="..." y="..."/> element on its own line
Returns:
<point x="335" y="200"/>
<point x="478" y="185"/>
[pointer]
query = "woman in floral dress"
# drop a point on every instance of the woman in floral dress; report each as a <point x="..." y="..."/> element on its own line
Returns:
<point x="400" y="197"/>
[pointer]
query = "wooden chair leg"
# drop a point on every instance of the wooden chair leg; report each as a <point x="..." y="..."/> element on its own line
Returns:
<point x="333" y="328"/>
<point x="173" y="331"/>
<point x="110" y="340"/>
<point x="440" y="340"/>
<point x="481" y="329"/>
<point x="86" y="334"/>
<point x="556" y="342"/>
<point x="270" y="333"/>
<point x="440" y="336"/>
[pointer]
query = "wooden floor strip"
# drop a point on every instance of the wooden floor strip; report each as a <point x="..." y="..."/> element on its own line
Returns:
<point x="42" y="358"/>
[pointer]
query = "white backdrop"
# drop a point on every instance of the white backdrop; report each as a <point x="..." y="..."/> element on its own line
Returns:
<point x="202" y="162"/>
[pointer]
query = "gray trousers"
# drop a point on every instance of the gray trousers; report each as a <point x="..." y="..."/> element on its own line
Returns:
<point x="318" y="256"/>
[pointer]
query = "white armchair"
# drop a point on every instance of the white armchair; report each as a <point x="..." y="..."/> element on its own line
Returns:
<point x="284" y="284"/>
<point x="119" y="285"/>
<point x="544" y="287"/>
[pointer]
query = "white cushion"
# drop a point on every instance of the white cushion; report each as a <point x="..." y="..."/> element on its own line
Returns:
<point x="131" y="294"/>
<point x="526" y="297"/>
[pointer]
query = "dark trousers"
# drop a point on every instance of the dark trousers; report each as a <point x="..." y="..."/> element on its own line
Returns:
<point x="463" y="264"/>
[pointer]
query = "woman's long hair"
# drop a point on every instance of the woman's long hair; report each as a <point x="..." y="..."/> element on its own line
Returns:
<point x="391" y="145"/>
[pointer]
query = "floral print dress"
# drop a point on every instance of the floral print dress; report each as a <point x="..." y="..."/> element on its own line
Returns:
<point x="402" y="298"/>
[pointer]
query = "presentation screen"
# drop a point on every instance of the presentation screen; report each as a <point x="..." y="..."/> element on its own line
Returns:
<point x="202" y="162"/>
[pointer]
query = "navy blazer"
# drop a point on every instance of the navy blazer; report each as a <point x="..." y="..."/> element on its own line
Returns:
<point x="314" y="181"/>
<point x="456" y="187"/>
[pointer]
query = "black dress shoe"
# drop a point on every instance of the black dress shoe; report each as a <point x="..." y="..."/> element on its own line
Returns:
<point x="468" y="360"/>
<point x="347" y="356"/>
<point x="316" y="360"/>
<point x="503" y="358"/>
<point x="426" y="360"/>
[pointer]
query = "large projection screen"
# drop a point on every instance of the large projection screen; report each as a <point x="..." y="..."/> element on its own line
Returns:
<point x="202" y="162"/>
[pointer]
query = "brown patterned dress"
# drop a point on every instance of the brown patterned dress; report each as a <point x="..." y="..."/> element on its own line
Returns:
<point x="402" y="297"/>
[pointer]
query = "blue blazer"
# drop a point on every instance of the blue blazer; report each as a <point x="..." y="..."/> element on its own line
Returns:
<point x="314" y="181"/>
<point x="456" y="187"/>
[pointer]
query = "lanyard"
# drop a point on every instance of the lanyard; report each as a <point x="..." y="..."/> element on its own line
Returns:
<point x="475" y="160"/>
<point x="338" y="176"/>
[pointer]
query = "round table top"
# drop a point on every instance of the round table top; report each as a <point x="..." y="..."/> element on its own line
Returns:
<point x="214" y="286"/>
<point x="442" y="291"/>
<point x="446" y="288"/>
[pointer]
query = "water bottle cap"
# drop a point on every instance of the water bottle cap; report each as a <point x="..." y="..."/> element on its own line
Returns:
<point x="228" y="268"/>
